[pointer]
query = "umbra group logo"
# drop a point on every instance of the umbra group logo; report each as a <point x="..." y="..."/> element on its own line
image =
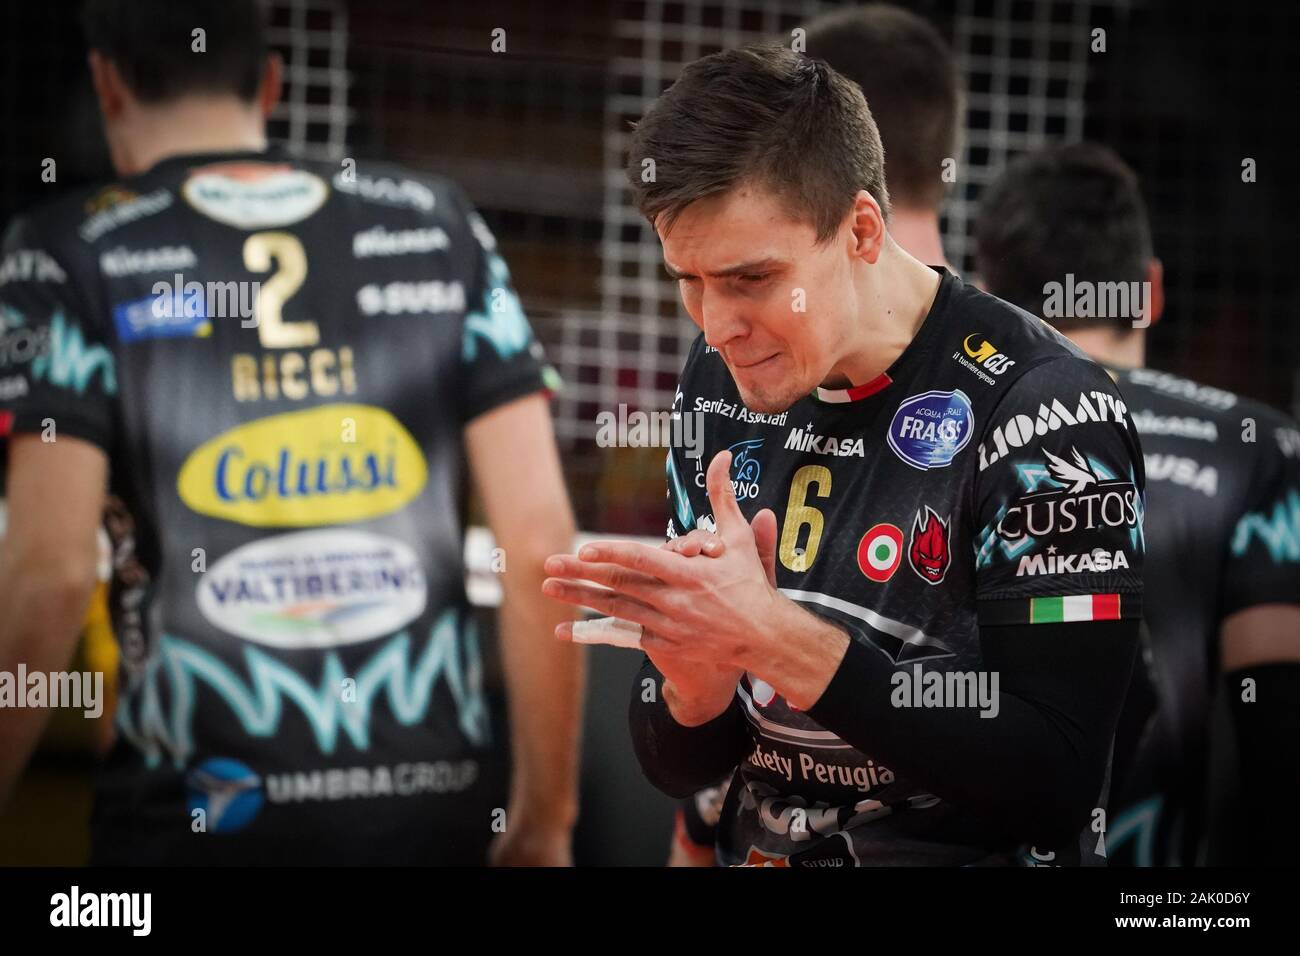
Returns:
<point x="320" y="466"/>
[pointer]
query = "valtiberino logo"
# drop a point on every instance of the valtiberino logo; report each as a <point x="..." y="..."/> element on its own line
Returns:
<point x="314" y="589"/>
<point x="930" y="429"/>
<point x="82" y="690"/>
<point x="75" y="908"/>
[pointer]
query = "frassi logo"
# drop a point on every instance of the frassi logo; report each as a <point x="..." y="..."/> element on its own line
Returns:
<point x="929" y="429"/>
<point x="319" y="466"/>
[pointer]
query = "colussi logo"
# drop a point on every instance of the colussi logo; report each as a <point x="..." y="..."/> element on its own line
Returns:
<point x="320" y="466"/>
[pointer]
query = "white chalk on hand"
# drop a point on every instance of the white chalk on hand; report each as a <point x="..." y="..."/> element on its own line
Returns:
<point x="607" y="630"/>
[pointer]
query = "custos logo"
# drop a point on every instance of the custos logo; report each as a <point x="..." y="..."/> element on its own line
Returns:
<point x="297" y="469"/>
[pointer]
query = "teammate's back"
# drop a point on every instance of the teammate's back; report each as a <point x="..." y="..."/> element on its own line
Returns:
<point x="283" y="371"/>
<point x="1223" y="512"/>
<point x="1222" y="583"/>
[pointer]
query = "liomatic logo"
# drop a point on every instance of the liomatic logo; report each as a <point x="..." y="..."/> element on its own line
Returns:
<point x="319" y="466"/>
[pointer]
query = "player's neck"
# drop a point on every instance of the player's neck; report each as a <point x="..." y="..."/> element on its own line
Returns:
<point x="196" y="124"/>
<point x="892" y="311"/>
<point x="1124" y="348"/>
<point x="917" y="231"/>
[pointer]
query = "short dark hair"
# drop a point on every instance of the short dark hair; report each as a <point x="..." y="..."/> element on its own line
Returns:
<point x="766" y="115"/>
<point x="910" y="79"/>
<point x="150" y="42"/>
<point x="1063" y="209"/>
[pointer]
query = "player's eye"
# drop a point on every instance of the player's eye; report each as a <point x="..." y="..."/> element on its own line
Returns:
<point x="753" y="278"/>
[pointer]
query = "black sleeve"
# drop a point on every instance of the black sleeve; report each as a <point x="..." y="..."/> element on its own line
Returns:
<point x="1058" y="542"/>
<point x="1036" y="768"/>
<point x="57" y="365"/>
<point x="680" y="760"/>
<point x="1267" y="727"/>
<point x="1263" y="561"/>
<point x="501" y="358"/>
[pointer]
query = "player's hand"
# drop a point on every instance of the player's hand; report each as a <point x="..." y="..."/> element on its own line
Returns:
<point x="525" y="843"/>
<point x="711" y="545"/>
<point x="695" y="542"/>
<point x="716" y="611"/>
<point x="709" y="687"/>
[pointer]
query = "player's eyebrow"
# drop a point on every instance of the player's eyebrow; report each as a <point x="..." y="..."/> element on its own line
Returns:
<point x="745" y="268"/>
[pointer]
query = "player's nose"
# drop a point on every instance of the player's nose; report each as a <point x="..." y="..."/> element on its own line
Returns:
<point x="721" y="321"/>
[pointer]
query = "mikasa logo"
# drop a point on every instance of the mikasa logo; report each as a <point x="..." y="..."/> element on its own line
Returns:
<point x="802" y="440"/>
<point x="1053" y="563"/>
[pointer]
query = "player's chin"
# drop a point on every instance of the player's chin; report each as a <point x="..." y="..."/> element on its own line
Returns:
<point x="766" y="388"/>
<point x="765" y="403"/>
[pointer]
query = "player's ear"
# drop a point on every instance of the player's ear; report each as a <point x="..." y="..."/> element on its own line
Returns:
<point x="1156" y="278"/>
<point x="268" y="91"/>
<point x="868" y="223"/>
<point x="110" y="90"/>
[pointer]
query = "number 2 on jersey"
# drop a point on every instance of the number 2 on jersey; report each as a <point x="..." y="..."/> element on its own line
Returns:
<point x="272" y="330"/>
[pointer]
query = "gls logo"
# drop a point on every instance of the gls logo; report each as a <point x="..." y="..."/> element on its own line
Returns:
<point x="987" y="355"/>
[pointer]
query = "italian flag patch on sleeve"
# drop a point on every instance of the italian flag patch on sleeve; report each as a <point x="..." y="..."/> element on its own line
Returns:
<point x="1074" y="607"/>
<point x="1060" y="609"/>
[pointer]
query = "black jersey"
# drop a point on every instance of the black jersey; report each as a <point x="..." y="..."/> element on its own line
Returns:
<point x="1223" y="534"/>
<point x="991" y="476"/>
<point x="279" y="358"/>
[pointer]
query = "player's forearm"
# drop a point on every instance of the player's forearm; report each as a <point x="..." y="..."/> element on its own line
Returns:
<point x="42" y="616"/>
<point x="799" y="654"/>
<point x="1034" y="770"/>
<point x="678" y="759"/>
<point x="1264" y="713"/>
<point x="544" y="682"/>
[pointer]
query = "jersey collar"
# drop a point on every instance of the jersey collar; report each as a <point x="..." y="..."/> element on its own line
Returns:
<point x="916" y="350"/>
<point x="854" y="394"/>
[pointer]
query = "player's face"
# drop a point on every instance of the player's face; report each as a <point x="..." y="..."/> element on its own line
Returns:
<point x="777" y="306"/>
